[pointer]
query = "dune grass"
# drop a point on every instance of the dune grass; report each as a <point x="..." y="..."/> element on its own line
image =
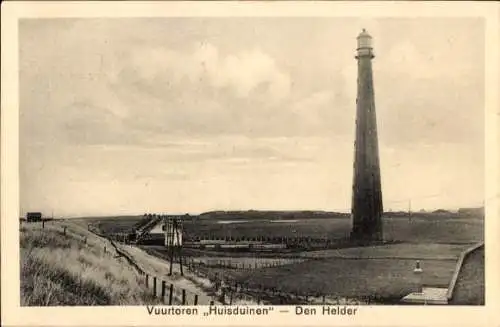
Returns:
<point x="72" y="268"/>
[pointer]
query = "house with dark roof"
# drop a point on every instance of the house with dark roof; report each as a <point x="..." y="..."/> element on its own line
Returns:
<point x="33" y="216"/>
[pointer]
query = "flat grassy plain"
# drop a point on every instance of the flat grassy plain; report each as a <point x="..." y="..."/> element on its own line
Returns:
<point x="110" y="225"/>
<point x="381" y="278"/>
<point x="72" y="268"/>
<point x="441" y="230"/>
<point x="410" y="251"/>
<point x="437" y="229"/>
<point x="384" y="272"/>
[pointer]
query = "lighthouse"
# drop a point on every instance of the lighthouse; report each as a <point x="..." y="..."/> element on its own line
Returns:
<point x="366" y="210"/>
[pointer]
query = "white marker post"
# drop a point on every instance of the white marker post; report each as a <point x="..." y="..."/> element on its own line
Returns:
<point x="418" y="273"/>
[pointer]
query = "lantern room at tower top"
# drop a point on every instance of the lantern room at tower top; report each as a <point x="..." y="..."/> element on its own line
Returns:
<point x="365" y="47"/>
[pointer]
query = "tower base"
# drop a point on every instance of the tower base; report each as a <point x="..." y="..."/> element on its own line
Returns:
<point x="363" y="239"/>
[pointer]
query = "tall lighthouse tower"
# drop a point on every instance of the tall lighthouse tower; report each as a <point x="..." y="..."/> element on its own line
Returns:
<point x="366" y="191"/>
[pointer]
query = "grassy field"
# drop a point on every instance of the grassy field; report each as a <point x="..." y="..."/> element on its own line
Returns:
<point x="72" y="268"/>
<point x="110" y="225"/>
<point x="393" y="251"/>
<point x="431" y="229"/>
<point x="384" y="272"/>
<point x="385" y="278"/>
<point x="437" y="229"/>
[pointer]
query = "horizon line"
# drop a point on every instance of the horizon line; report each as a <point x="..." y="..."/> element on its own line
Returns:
<point x="177" y="213"/>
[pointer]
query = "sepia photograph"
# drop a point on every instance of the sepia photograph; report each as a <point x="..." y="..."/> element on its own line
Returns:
<point x="321" y="164"/>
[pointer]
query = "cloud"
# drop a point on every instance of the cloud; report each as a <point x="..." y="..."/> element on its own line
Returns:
<point x="241" y="72"/>
<point x="246" y="71"/>
<point x="142" y="88"/>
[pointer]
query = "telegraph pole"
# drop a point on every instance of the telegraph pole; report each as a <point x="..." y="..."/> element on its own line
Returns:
<point x="409" y="210"/>
<point x="173" y="241"/>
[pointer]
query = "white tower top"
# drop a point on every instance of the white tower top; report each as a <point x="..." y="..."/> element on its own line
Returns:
<point x="365" y="48"/>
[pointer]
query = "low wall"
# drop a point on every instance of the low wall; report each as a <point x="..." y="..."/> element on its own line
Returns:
<point x="460" y="263"/>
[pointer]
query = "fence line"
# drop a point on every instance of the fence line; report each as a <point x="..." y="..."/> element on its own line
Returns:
<point x="242" y="266"/>
<point x="229" y="289"/>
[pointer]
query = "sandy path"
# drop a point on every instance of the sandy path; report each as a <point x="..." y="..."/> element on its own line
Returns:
<point x="157" y="267"/>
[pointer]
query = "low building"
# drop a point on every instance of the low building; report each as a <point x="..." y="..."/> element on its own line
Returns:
<point x="33" y="216"/>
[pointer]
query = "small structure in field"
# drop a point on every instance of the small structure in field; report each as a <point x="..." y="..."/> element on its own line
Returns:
<point x="33" y="216"/>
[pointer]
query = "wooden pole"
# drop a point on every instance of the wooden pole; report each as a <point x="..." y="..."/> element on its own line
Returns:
<point x="223" y="296"/>
<point x="163" y="289"/>
<point x="154" y="286"/>
<point x="171" y="244"/>
<point x="179" y="247"/>
<point x="183" y="296"/>
<point x="147" y="281"/>
<point x="171" y="294"/>
<point x="409" y="210"/>
<point x="196" y="299"/>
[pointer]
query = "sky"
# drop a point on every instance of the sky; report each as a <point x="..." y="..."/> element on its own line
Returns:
<point x="175" y="115"/>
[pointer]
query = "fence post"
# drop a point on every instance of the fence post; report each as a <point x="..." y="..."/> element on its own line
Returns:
<point x="183" y="296"/>
<point x="324" y="299"/>
<point x="43" y="224"/>
<point x="85" y="240"/>
<point x="104" y="248"/>
<point x="223" y="296"/>
<point x="196" y="299"/>
<point x="64" y="230"/>
<point x="147" y="281"/>
<point x="171" y="294"/>
<point x="163" y="286"/>
<point x="154" y="286"/>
